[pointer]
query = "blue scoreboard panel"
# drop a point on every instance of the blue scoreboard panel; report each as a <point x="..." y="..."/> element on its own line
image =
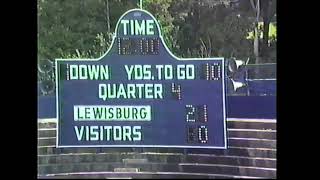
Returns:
<point x="140" y="95"/>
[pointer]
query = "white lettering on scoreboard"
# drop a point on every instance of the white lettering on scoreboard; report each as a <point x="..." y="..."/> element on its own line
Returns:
<point x="108" y="133"/>
<point x="112" y="113"/>
<point x="138" y="27"/>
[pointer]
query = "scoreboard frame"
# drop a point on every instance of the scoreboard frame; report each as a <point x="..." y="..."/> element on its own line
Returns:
<point x="114" y="39"/>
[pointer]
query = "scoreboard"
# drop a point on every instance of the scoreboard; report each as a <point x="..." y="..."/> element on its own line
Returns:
<point x="138" y="94"/>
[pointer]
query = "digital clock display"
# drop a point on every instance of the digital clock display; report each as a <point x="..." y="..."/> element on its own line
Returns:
<point x="138" y="46"/>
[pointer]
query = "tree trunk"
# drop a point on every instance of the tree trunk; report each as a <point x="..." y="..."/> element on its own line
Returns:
<point x="258" y="59"/>
<point x="269" y="9"/>
<point x="210" y="47"/>
<point x="256" y="37"/>
<point x="256" y="44"/>
<point x="108" y="14"/>
<point x="265" y="15"/>
<point x="265" y="46"/>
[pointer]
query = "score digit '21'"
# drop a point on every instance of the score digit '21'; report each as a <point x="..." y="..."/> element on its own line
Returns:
<point x="197" y="133"/>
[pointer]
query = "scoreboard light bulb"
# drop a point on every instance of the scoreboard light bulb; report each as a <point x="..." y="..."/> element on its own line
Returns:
<point x="219" y="71"/>
<point x="119" y="46"/>
<point x="205" y="114"/>
<point x="68" y="76"/>
<point x="212" y="72"/>
<point x="207" y="71"/>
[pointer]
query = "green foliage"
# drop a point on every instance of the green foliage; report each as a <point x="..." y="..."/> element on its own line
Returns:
<point x="67" y="26"/>
<point x="207" y="31"/>
<point x="191" y="28"/>
<point x="160" y="9"/>
<point x="272" y="31"/>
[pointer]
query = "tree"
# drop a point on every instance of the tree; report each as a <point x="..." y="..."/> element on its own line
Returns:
<point x="268" y="10"/>
<point x="256" y="8"/>
<point x="160" y="9"/>
<point x="211" y="28"/>
<point x="264" y="11"/>
<point x="77" y="28"/>
<point x="191" y="28"/>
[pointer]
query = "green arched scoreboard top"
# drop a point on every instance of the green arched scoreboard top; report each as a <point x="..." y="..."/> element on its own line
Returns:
<point x="139" y="23"/>
<point x="138" y="94"/>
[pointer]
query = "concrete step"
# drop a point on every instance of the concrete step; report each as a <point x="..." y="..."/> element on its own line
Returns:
<point x="51" y="149"/>
<point x="114" y="167"/>
<point x="46" y="141"/>
<point x="237" y="151"/>
<point x="91" y="158"/>
<point x="47" y="124"/>
<point x="126" y="170"/>
<point x="47" y="132"/>
<point x="252" y="142"/>
<point x="230" y="170"/>
<point x="235" y="142"/>
<point x="142" y="175"/>
<point x="159" y="167"/>
<point x="252" y="133"/>
<point x="232" y="160"/>
<point x="231" y="151"/>
<point x="156" y="158"/>
<point x="251" y="124"/>
<point x="131" y="160"/>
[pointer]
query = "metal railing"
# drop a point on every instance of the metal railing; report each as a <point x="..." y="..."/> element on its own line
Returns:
<point x="260" y="80"/>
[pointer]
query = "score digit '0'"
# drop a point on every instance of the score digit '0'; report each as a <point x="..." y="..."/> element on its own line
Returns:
<point x="203" y="134"/>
